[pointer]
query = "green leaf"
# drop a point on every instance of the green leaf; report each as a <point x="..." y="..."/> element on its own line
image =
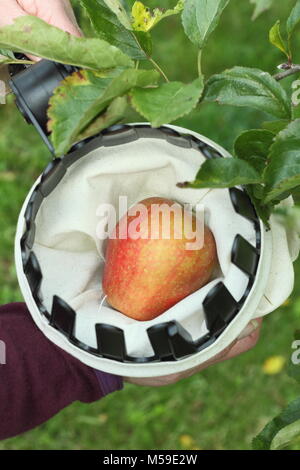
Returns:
<point x="144" y="19"/>
<point x="200" y="18"/>
<point x="83" y="95"/>
<point x="109" y="28"/>
<point x="253" y="146"/>
<point x="7" y="53"/>
<point x="289" y="416"/>
<point x="117" y="8"/>
<point x="283" y="171"/>
<point x="293" y="19"/>
<point x="255" y="192"/>
<point x="144" y="40"/>
<point x="243" y="86"/>
<point x="275" y="126"/>
<point x="286" y="436"/>
<point x="168" y="102"/>
<point x="260" y="7"/>
<point x="128" y="4"/>
<point x="112" y="115"/>
<point x="276" y="39"/>
<point x="8" y="57"/>
<point x="6" y="61"/>
<point x="223" y="173"/>
<point x="32" y="35"/>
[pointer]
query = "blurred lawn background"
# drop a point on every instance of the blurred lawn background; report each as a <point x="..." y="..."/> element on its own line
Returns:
<point x="225" y="406"/>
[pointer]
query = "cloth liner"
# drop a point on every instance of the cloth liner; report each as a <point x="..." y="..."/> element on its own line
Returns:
<point x="71" y="254"/>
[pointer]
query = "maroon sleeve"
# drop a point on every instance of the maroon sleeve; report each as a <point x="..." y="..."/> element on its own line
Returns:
<point x="38" y="379"/>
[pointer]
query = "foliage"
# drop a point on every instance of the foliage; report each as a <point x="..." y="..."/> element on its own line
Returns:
<point x="243" y="86"/>
<point x="143" y="19"/>
<point x="168" y="102"/>
<point x="284" y="428"/>
<point x="8" y="57"/>
<point x="200" y="18"/>
<point x="108" y="27"/>
<point x="85" y="94"/>
<point x="32" y="35"/>
<point x="291" y="415"/>
<point x="260" y="7"/>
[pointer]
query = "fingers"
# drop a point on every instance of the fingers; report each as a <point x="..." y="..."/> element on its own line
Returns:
<point x="252" y="326"/>
<point x="70" y="13"/>
<point x="65" y="20"/>
<point x="58" y="13"/>
<point x="151" y="381"/>
<point x="9" y="11"/>
<point x="236" y="348"/>
<point x="246" y="342"/>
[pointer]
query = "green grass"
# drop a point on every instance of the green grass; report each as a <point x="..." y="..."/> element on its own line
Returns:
<point x="228" y="404"/>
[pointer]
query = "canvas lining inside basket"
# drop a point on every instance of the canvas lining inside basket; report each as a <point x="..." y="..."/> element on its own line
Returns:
<point x="71" y="255"/>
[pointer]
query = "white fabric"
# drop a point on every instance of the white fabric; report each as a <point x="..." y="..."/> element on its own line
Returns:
<point x="71" y="255"/>
<point x="286" y="246"/>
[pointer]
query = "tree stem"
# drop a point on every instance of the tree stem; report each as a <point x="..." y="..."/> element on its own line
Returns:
<point x="157" y="67"/>
<point x="286" y="73"/>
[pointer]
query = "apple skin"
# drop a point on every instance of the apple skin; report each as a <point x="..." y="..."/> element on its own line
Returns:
<point x="145" y="277"/>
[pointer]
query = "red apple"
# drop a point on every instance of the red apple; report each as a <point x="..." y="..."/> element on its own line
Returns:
<point x="147" y="273"/>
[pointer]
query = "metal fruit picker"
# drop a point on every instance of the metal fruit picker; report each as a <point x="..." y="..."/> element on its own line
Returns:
<point x="60" y="258"/>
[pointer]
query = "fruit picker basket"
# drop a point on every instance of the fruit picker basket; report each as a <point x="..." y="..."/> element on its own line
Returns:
<point x="60" y="258"/>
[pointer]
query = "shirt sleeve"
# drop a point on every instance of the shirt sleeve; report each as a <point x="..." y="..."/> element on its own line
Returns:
<point x="37" y="378"/>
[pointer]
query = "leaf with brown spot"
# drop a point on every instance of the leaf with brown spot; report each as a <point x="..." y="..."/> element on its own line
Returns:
<point x="32" y="35"/>
<point x="86" y="98"/>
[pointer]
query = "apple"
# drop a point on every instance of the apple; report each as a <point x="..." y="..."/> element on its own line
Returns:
<point x="148" y="267"/>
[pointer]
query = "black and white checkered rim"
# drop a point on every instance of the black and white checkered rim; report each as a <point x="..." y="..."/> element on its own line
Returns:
<point x="169" y="340"/>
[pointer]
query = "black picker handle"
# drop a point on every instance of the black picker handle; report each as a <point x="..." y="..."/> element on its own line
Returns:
<point x="33" y="86"/>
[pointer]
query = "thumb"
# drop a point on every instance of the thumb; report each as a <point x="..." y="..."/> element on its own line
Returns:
<point x="59" y="14"/>
<point x="9" y="12"/>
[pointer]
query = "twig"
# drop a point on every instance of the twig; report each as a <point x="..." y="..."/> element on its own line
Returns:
<point x="156" y="66"/>
<point x="291" y="70"/>
<point x="158" y="69"/>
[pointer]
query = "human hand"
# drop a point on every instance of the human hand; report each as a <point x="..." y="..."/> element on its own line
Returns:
<point x="58" y="13"/>
<point x="246" y="341"/>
